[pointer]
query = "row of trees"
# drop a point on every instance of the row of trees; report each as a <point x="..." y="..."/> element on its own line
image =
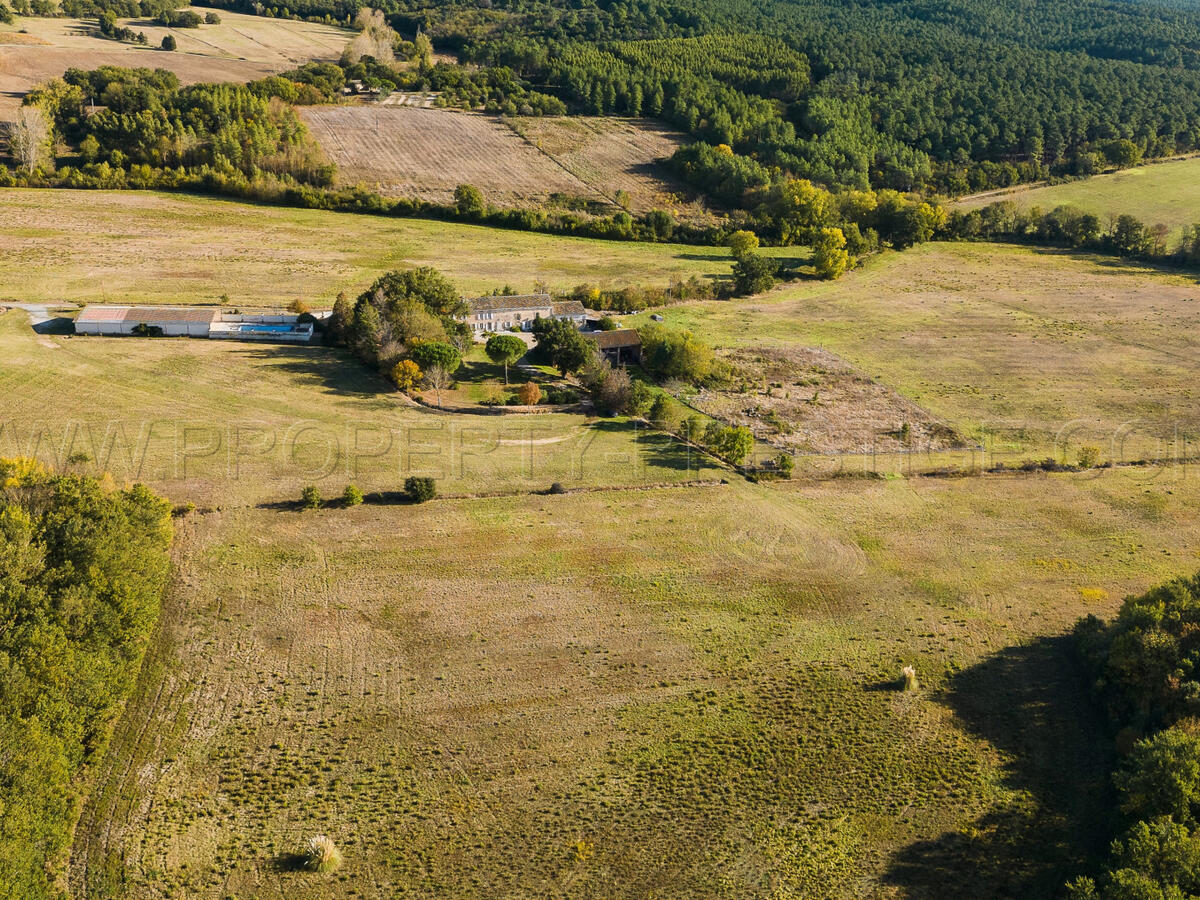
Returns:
<point x="1145" y="664"/>
<point x="82" y="570"/>
<point x="1066" y="226"/>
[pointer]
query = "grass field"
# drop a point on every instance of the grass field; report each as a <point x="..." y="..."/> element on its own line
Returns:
<point x="182" y="414"/>
<point x="1165" y="193"/>
<point x="675" y="693"/>
<point x="413" y="152"/>
<point x="241" y="48"/>
<point x="646" y="691"/>
<point x="120" y="251"/>
<point x="1017" y="349"/>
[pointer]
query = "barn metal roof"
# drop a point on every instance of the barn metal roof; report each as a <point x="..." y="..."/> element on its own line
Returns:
<point x="102" y="314"/>
<point x="150" y="315"/>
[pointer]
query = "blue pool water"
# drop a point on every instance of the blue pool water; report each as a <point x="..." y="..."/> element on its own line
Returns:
<point x="269" y="329"/>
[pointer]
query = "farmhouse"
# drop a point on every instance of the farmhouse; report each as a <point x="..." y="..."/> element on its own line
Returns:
<point x="621" y="346"/>
<point x="500" y="313"/>
<point x="191" y="321"/>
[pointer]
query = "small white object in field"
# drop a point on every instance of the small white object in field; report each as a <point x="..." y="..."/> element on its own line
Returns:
<point x="910" y="678"/>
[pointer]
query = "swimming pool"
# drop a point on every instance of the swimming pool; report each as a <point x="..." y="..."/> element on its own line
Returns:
<point x="260" y="328"/>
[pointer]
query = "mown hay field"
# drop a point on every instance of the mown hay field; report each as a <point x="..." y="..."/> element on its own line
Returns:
<point x="144" y="247"/>
<point x="406" y="151"/>
<point x="1166" y="193"/>
<point x="1024" y="352"/>
<point x="241" y="48"/>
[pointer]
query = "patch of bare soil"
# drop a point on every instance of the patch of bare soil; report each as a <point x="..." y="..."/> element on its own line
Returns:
<point x="809" y="400"/>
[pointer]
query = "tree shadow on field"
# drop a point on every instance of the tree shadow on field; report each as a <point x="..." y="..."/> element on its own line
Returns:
<point x="665" y="452"/>
<point x="1031" y="703"/>
<point x="335" y="370"/>
<point x="1123" y="265"/>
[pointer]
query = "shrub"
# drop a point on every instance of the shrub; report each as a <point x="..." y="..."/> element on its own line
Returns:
<point x="168" y="42"/>
<point x="754" y="274"/>
<point x="420" y="490"/>
<point x="559" y="396"/>
<point x="557" y="488"/>
<point x="407" y="374"/>
<point x="310" y="497"/>
<point x="212" y="18"/>
<point x="352" y="496"/>
<point x="529" y="393"/>
<point x="785" y="463"/>
<point x="830" y="259"/>
<point x="321" y="855"/>
<point x="664" y="413"/>
<point x="908" y="676"/>
<point x="734" y="444"/>
<point x="1089" y="457"/>
<point x="742" y="242"/>
<point x="692" y="428"/>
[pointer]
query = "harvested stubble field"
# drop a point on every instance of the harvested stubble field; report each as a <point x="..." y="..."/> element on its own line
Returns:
<point x="412" y="152"/>
<point x="1165" y="193"/>
<point x="121" y="252"/>
<point x="1023" y="351"/>
<point x="675" y="693"/>
<point x="405" y="151"/>
<point x="241" y="48"/>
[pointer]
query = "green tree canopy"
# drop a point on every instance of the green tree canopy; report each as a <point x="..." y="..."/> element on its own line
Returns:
<point x="505" y="349"/>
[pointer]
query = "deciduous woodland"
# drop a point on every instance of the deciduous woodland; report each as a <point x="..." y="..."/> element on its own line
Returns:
<point x="82" y="570"/>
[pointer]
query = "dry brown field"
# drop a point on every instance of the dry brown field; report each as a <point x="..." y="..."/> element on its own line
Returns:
<point x="806" y="400"/>
<point x="612" y="154"/>
<point x="406" y="151"/>
<point x="426" y="153"/>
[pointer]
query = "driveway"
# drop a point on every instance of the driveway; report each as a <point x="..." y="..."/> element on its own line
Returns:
<point x="44" y="321"/>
